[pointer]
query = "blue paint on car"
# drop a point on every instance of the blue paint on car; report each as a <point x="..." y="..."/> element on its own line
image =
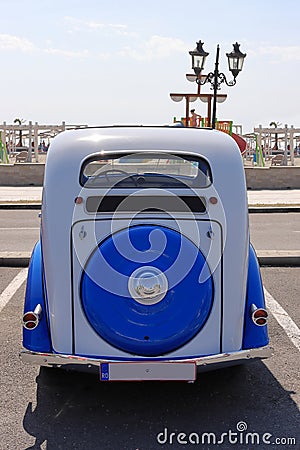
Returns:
<point x="37" y="339"/>
<point x="254" y="336"/>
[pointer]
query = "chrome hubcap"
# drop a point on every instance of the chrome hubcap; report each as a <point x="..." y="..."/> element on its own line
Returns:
<point x="147" y="285"/>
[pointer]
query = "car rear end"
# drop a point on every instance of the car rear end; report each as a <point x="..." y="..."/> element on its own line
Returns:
<point x="144" y="256"/>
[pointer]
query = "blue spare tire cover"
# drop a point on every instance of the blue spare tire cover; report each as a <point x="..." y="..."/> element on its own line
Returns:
<point x="136" y="317"/>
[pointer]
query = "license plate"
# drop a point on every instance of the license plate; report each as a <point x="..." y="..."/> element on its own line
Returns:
<point x="151" y="371"/>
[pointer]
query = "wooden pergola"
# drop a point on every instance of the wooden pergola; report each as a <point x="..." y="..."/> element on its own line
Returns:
<point x="206" y="98"/>
<point x="264" y="137"/>
<point x="32" y="134"/>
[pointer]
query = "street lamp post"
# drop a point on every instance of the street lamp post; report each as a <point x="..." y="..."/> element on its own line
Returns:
<point x="216" y="78"/>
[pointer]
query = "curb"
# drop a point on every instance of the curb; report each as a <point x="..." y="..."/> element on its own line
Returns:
<point x="14" y="259"/>
<point x="280" y="261"/>
<point x="271" y="258"/>
<point x="251" y="209"/>
<point x="273" y="209"/>
<point x="37" y="206"/>
<point x="279" y="258"/>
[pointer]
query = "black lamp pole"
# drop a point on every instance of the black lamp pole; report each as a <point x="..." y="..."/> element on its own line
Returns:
<point x="215" y="87"/>
<point x="216" y="78"/>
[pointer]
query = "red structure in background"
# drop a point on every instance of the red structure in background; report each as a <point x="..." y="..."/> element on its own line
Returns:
<point x="240" y="142"/>
<point x="221" y="125"/>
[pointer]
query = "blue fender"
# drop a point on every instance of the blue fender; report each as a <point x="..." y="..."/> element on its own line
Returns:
<point x="254" y="336"/>
<point x="37" y="339"/>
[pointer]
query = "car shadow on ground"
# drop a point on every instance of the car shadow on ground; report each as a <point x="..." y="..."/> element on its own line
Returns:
<point x="76" y="411"/>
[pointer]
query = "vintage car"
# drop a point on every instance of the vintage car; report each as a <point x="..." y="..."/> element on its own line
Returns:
<point x="144" y="269"/>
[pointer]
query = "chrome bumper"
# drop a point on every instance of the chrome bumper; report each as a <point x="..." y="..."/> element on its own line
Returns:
<point x="88" y="364"/>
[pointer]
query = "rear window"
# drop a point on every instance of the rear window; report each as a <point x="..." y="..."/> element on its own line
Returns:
<point x="147" y="169"/>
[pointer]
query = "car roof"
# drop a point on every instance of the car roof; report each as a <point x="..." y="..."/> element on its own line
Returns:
<point x="84" y="142"/>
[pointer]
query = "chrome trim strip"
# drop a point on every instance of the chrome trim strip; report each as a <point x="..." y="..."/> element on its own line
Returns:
<point x="62" y="360"/>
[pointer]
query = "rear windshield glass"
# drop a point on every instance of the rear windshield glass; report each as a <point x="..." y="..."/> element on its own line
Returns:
<point x="146" y="169"/>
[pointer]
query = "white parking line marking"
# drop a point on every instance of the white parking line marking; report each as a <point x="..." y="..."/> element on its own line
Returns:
<point x="283" y="319"/>
<point x="12" y="288"/>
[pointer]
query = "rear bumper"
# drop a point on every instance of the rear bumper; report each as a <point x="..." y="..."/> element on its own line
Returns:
<point x="89" y="364"/>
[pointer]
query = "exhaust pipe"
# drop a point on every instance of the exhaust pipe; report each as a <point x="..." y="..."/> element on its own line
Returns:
<point x="259" y="315"/>
<point x="31" y="319"/>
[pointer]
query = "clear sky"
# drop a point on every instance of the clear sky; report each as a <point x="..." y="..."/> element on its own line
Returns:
<point x="102" y="62"/>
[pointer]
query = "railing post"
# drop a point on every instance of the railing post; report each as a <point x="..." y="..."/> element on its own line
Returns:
<point x="29" y="155"/>
<point x="285" y="158"/>
<point x="36" y="142"/>
<point x="292" y="145"/>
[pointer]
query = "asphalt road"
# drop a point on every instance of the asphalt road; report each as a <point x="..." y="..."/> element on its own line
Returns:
<point x="60" y="410"/>
<point x="19" y="230"/>
<point x="275" y="231"/>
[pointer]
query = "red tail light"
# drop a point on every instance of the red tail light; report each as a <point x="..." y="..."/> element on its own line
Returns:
<point x="31" y="318"/>
<point x="259" y="315"/>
